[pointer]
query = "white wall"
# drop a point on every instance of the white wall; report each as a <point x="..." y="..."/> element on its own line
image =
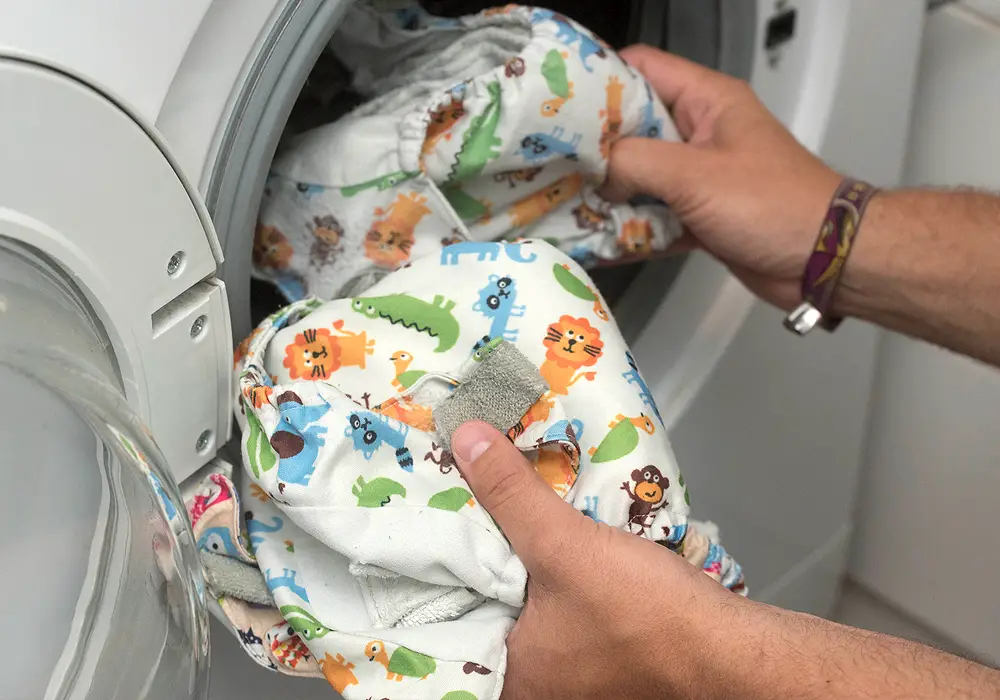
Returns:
<point x="928" y="531"/>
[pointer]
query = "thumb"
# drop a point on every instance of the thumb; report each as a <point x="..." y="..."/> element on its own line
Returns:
<point x="537" y="522"/>
<point x="666" y="170"/>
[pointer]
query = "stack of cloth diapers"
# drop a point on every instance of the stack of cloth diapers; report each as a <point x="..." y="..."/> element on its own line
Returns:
<point x="366" y="558"/>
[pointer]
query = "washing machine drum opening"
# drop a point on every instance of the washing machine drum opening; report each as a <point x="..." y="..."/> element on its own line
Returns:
<point x="101" y="586"/>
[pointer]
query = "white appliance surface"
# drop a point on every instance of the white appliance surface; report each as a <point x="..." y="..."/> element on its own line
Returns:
<point x="927" y="527"/>
<point x="768" y="429"/>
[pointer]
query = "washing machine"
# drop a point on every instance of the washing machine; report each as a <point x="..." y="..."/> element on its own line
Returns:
<point x="135" y="141"/>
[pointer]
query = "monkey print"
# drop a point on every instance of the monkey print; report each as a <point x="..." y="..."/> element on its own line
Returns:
<point x="648" y="496"/>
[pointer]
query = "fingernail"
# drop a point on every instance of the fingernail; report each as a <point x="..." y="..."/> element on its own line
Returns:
<point x="471" y="440"/>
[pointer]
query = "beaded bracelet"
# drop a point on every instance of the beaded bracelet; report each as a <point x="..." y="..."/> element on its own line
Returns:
<point x="826" y="264"/>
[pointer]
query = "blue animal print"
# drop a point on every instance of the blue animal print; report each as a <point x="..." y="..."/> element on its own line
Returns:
<point x="635" y="377"/>
<point x="584" y="257"/>
<point x="307" y="190"/>
<point x="486" y="251"/>
<point x="370" y="431"/>
<point x="286" y="580"/>
<point x="590" y="508"/>
<point x="168" y="506"/>
<point x="218" y="540"/>
<point x="560" y="430"/>
<point x="297" y="439"/>
<point x="569" y="35"/>
<point x="256" y="530"/>
<point x="652" y="126"/>
<point x="496" y="301"/>
<point x="541" y="146"/>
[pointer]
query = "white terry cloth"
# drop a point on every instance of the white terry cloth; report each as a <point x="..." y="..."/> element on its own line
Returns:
<point x="494" y="126"/>
<point x="389" y="563"/>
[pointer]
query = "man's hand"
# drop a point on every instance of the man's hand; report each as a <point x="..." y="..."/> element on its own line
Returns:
<point x="608" y="614"/>
<point x="744" y="188"/>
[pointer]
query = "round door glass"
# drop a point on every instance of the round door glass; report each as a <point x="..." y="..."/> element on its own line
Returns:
<point x="102" y="589"/>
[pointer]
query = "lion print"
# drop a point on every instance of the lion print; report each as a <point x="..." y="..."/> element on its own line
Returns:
<point x="391" y="237"/>
<point x="271" y="249"/>
<point x="636" y="237"/>
<point x="571" y="345"/>
<point x="317" y="353"/>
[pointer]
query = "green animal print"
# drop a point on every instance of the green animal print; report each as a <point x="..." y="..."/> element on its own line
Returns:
<point x="260" y="454"/>
<point x="406" y="662"/>
<point x="433" y="318"/>
<point x="454" y="499"/>
<point x="304" y="624"/>
<point x="377" y="492"/>
<point x="380" y="183"/>
<point x="459" y="695"/>
<point x="467" y="207"/>
<point x="572" y="284"/>
<point x="480" y="144"/>
<point x="622" y="439"/>
<point x="556" y="77"/>
<point x="687" y="493"/>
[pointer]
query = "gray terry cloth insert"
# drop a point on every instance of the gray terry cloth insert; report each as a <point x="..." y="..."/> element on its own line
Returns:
<point x="498" y="391"/>
<point x="235" y="579"/>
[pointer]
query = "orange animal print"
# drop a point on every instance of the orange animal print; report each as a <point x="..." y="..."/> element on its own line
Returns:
<point x="317" y="353"/>
<point x="391" y="238"/>
<point x="590" y="219"/>
<point x="339" y="672"/>
<point x="612" y="116"/>
<point x="443" y="119"/>
<point x="258" y="395"/>
<point x="572" y="344"/>
<point x="636" y="237"/>
<point x="557" y="469"/>
<point x="244" y="347"/>
<point x="537" y="205"/>
<point x="271" y="249"/>
<point x="403" y="409"/>
<point x="536" y="414"/>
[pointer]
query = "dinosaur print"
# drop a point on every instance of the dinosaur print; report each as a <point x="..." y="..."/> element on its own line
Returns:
<point x="557" y="78"/>
<point x="569" y="34"/>
<point x="403" y="662"/>
<point x="405" y="377"/>
<point x="633" y="376"/>
<point x="259" y="454"/>
<point x="434" y="318"/>
<point x="442" y="122"/>
<point x="338" y="671"/>
<point x="622" y="440"/>
<point x="580" y="289"/>
<point x="497" y="301"/>
<point x="541" y="146"/>
<point x="512" y="177"/>
<point x="484" y="346"/>
<point x="297" y="439"/>
<point x="377" y="492"/>
<point x="256" y="529"/>
<point x="285" y="580"/>
<point x="454" y="499"/>
<point x="303" y="622"/>
<point x="390" y="239"/>
<point x="487" y="251"/>
<point x="218" y="540"/>
<point x="369" y="431"/>
<point x="652" y="126"/>
<point x="636" y="237"/>
<point x="533" y="207"/>
<point x="316" y="353"/>
<point x="468" y="208"/>
<point x="480" y="144"/>
<point x="459" y="695"/>
<point x="612" y="116"/>
<point x="385" y="182"/>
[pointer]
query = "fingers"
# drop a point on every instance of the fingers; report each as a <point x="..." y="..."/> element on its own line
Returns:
<point x="529" y="512"/>
<point x="661" y="169"/>
<point x="671" y="76"/>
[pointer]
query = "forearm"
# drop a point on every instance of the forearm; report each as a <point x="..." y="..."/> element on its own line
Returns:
<point x="780" y="655"/>
<point x="928" y="264"/>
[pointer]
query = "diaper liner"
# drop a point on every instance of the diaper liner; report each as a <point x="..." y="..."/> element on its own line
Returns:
<point x="494" y="126"/>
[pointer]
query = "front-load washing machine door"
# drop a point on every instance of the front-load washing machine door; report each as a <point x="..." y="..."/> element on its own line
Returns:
<point x="101" y="592"/>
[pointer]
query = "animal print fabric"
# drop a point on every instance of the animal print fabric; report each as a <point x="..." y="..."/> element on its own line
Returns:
<point x="389" y="563"/>
<point x="496" y="126"/>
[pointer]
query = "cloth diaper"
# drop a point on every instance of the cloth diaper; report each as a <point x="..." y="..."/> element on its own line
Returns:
<point x="392" y="574"/>
<point x="489" y="127"/>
